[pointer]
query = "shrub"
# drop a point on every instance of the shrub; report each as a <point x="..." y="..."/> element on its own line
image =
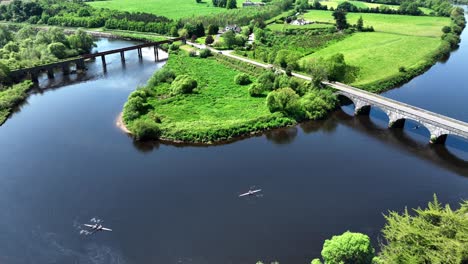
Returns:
<point x="255" y="90"/>
<point x="316" y="104"/>
<point x="183" y="84"/>
<point x="316" y="261"/>
<point x="192" y="53"/>
<point x="145" y="130"/>
<point x="348" y="248"/>
<point x="242" y="79"/>
<point x="174" y="47"/>
<point x="133" y="108"/>
<point x="266" y="81"/>
<point x="446" y="29"/>
<point x="162" y="76"/>
<point x="205" y="53"/>
<point x="402" y="69"/>
<point x="57" y="49"/>
<point x="209" y="40"/>
<point x="286" y="101"/>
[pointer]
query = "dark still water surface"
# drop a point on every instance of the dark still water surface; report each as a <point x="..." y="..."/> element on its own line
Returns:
<point x="63" y="161"/>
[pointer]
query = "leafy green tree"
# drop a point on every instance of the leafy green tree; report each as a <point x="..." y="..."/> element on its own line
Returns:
<point x="242" y="79"/>
<point x="134" y="108"/>
<point x="318" y="70"/>
<point x="436" y="234"/>
<point x="360" y="24"/>
<point x="231" y="4"/>
<point x="5" y="36"/>
<point x="183" y="84"/>
<point x="340" y="19"/>
<point x="209" y="40"/>
<point x="316" y="104"/>
<point x="348" y="248"/>
<point x="205" y="53"/>
<point x="336" y="67"/>
<point x="229" y="39"/>
<point x="213" y="29"/>
<point x="58" y="50"/>
<point x="4" y="72"/>
<point x="256" y="90"/>
<point x="81" y="41"/>
<point x="145" y="129"/>
<point x="284" y="100"/>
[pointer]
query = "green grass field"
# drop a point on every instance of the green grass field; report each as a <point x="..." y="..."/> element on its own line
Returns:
<point x="397" y="24"/>
<point x="399" y="41"/>
<point x="217" y="106"/>
<point x="282" y="27"/>
<point x="174" y="9"/>
<point x="359" y="4"/>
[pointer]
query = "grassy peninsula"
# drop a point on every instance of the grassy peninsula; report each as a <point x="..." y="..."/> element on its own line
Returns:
<point x="223" y="104"/>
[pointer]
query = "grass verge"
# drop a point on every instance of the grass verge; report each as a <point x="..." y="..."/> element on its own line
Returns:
<point x="12" y="97"/>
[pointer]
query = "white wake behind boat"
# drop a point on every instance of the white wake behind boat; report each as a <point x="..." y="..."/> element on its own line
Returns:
<point x="250" y="192"/>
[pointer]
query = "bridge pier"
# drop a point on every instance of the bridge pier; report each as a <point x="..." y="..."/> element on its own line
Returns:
<point x="140" y="53"/>
<point x="104" y="65"/>
<point x="156" y="53"/>
<point x="80" y="65"/>
<point x="395" y="120"/>
<point x="66" y="69"/>
<point x="361" y="108"/>
<point x="50" y="73"/>
<point x="34" y="76"/>
<point x="122" y="57"/>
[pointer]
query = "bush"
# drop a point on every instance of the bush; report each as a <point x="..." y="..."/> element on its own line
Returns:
<point x="316" y="104"/>
<point x="209" y="40"/>
<point x="134" y="108"/>
<point x="145" y="130"/>
<point x="348" y="248"/>
<point x="58" y="50"/>
<point x="446" y="29"/>
<point x="162" y="76"/>
<point x="192" y="53"/>
<point x="205" y="53"/>
<point x="266" y="80"/>
<point x="183" y="84"/>
<point x="316" y="261"/>
<point x="255" y="90"/>
<point x="242" y="79"/>
<point x="174" y="47"/>
<point x="286" y="101"/>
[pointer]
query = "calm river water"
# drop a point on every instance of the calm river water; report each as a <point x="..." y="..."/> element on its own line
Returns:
<point x="63" y="161"/>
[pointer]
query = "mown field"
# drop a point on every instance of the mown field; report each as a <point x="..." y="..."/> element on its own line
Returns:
<point x="282" y="27"/>
<point x="399" y="41"/>
<point x="174" y="9"/>
<point x="218" y="105"/>
<point x="359" y="4"/>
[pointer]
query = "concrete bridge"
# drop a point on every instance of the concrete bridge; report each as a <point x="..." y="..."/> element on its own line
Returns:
<point x="65" y="66"/>
<point x="438" y="125"/>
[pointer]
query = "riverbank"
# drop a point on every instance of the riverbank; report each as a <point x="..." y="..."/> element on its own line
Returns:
<point x="11" y="97"/>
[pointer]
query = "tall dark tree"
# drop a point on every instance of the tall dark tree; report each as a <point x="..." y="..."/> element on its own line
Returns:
<point x="231" y="4"/>
<point x="360" y="24"/>
<point x="340" y="18"/>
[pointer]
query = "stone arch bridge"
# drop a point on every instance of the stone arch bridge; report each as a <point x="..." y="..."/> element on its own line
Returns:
<point x="438" y="125"/>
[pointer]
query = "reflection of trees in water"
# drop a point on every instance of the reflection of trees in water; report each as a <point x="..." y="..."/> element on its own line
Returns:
<point x="146" y="146"/>
<point x="282" y="135"/>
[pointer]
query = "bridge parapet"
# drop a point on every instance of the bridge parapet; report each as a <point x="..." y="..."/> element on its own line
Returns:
<point x="439" y="126"/>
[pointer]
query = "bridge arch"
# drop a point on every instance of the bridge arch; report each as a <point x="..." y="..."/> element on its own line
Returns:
<point x="360" y="107"/>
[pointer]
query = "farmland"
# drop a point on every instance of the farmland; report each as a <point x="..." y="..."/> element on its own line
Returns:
<point x="399" y="41"/>
<point x="282" y="27"/>
<point x="173" y="9"/>
<point x="359" y="4"/>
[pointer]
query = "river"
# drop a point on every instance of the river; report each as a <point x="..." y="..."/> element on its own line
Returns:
<point x="64" y="162"/>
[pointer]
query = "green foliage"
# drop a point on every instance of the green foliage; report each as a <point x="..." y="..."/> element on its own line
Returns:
<point x="28" y="47"/>
<point x="213" y="29"/>
<point x="145" y="129"/>
<point x="231" y="4"/>
<point x="336" y="67"/>
<point x="242" y="79"/>
<point x="209" y="40"/>
<point x="436" y="234"/>
<point x="164" y="75"/>
<point x="11" y="97"/>
<point x="317" y="103"/>
<point x="266" y="81"/>
<point x="316" y="261"/>
<point x="134" y="108"/>
<point x="205" y="53"/>
<point x="256" y="90"/>
<point x="57" y="49"/>
<point x="284" y="100"/>
<point x="340" y="19"/>
<point x="229" y="39"/>
<point x="183" y="84"/>
<point x="348" y="248"/>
